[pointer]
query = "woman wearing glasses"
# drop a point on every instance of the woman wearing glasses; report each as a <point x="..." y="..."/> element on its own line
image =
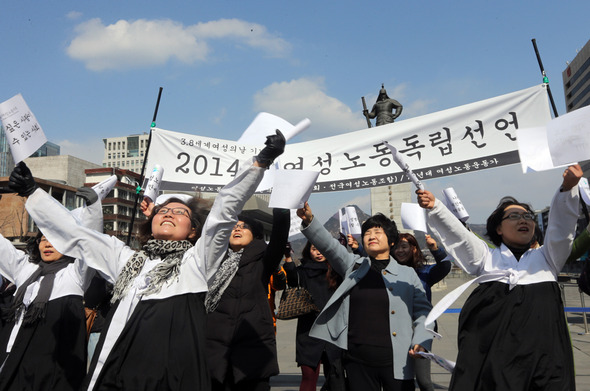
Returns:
<point x="241" y="344"/>
<point x="513" y="333"/>
<point x="155" y="338"/>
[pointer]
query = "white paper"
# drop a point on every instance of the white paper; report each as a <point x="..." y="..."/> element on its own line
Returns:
<point x="455" y="205"/>
<point x="103" y="188"/>
<point x="351" y="221"/>
<point x="265" y="124"/>
<point x="413" y="217"/>
<point x="269" y="176"/>
<point x="292" y="188"/>
<point x="568" y="137"/>
<point x="343" y="223"/>
<point x="153" y="185"/>
<point x="404" y="166"/>
<point x="23" y="133"/>
<point x="533" y="149"/>
<point x="295" y="228"/>
<point x="443" y="362"/>
<point x="584" y="190"/>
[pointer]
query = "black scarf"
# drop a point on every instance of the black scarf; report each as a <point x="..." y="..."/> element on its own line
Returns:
<point x="171" y="252"/>
<point x="37" y="308"/>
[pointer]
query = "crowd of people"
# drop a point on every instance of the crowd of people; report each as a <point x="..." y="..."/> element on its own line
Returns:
<point x="190" y="309"/>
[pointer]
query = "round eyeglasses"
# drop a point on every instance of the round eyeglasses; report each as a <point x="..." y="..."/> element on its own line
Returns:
<point x="518" y="216"/>
<point x="241" y="226"/>
<point x="175" y="211"/>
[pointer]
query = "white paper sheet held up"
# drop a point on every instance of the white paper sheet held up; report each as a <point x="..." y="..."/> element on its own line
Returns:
<point x="349" y="222"/>
<point x="568" y="137"/>
<point x="292" y="188"/>
<point x="533" y="149"/>
<point x="265" y="124"/>
<point x="413" y="217"/>
<point x="295" y="227"/>
<point x="23" y="133"/>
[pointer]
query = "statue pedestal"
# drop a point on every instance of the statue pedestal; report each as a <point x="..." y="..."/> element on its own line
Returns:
<point x="388" y="200"/>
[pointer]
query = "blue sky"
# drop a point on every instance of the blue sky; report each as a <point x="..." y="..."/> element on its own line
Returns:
<point x="90" y="70"/>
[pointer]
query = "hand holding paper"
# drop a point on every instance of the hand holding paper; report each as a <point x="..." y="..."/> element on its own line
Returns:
<point x="397" y="157"/>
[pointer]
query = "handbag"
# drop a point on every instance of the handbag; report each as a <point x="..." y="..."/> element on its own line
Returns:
<point x="295" y="302"/>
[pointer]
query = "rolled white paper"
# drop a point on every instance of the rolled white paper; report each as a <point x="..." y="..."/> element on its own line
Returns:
<point x="153" y="186"/>
<point x="455" y="205"/>
<point x="397" y="157"/>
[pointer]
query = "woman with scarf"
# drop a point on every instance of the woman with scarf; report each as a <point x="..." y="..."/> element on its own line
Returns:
<point x="155" y="338"/>
<point x="513" y="334"/>
<point x="241" y="343"/>
<point x="315" y="275"/>
<point x="43" y="344"/>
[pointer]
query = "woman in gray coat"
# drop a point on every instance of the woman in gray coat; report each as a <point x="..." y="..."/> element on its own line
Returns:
<point x="377" y="314"/>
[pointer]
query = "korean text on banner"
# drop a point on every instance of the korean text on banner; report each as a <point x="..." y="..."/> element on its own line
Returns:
<point x="23" y="132"/>
<point x="463" y="139"/>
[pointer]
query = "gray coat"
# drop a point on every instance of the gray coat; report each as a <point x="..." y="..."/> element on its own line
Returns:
<point x="408" y="305"/>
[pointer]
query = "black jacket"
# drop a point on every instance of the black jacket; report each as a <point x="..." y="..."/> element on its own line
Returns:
<point x="240" y="332"/>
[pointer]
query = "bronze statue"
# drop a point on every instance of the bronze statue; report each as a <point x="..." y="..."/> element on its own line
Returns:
<point x="383" y="109"/>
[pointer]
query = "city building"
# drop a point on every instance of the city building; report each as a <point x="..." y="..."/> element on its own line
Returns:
<point x="7" y="161"/>
<point x="388" y="200"/>
<point x="125" y="152"/>
<point x="65" y="169"/>
<point x="576" y="80"/>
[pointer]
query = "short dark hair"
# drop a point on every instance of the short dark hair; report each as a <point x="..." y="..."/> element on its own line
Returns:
<point x="255" y="226"/>
<point x="495" y="219"/>
<point x="199" y="208"/>
<point x="33" y="248"/>
<point x="380" y="221"/>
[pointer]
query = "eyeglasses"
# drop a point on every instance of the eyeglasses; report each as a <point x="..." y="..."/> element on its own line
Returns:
<point x="175" y="211"/>
<point x="242" y="226"/>
<point x="517" y="216"/>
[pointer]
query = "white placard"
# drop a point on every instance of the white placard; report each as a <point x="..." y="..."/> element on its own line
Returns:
<point x="23" y="132"/>
<point x="413" y="217"/>
<point x="568" y="137"/>
<point x="397" y="157"/>
<point x="584" y="190"/>
<point x="153" y="185"/>
<point x="533" y="149"/>
<point x="265" y="125"/>
<point x="455" y="205"/>
<point x="103" y="188"/>
<point x="292" y="188"/>
<point x="349" y="222"/>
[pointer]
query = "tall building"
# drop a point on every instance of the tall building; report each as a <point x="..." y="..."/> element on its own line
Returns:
<point x="576" y="85"/>
<point x="7" y="161"/>
<point x="576" y="80"/>
<point x="125" y="152"/>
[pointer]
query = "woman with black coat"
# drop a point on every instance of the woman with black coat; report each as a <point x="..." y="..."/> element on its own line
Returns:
<point x="315" y="275"/>
<point x="241" y="343"/>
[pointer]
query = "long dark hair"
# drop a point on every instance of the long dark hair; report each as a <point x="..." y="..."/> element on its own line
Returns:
<point x="417" y="260"/>
<point x="334" y="279"/>
<point x="199" y="208"/>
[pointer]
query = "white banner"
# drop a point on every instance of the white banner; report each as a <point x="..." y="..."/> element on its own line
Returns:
<point x="463" y="139"/>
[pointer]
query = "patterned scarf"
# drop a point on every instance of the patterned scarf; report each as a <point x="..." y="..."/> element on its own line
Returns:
<point x="36" y="309"/>
<point x="223" y="277"/>
<point x="171" y="252"/>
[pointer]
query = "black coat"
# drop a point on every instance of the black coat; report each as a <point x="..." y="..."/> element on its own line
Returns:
<point x="312" y="276"/>
<point x="240" y="332"/>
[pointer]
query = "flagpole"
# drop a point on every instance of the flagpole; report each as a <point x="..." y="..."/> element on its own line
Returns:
<point x="141" y="177"/>
<point x="545" y="78"/>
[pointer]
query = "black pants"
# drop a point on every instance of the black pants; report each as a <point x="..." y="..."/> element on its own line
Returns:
<point x="367" y="378"/>
<point x="244" y="385"/>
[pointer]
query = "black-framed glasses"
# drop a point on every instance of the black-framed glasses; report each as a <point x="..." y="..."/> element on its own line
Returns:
<point x="179" y="211"/>
<point x="517" y="216"/>
<point x="242" y="226"/>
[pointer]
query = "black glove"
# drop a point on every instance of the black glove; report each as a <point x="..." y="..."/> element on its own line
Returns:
<point x="21" y="180"/>
<point x="275" y="146"/>
<point x="87" y="194"/>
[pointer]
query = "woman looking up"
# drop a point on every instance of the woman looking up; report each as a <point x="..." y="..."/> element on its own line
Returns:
<point x="513" y="333"/>
<point x="155" y="338"/>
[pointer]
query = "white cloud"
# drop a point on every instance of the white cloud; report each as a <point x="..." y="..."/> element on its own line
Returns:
<point x="306" y="98"/>
<point x="89" y="150"/>
<point x="144" y="43"/>
<point x="74" y="15"/>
